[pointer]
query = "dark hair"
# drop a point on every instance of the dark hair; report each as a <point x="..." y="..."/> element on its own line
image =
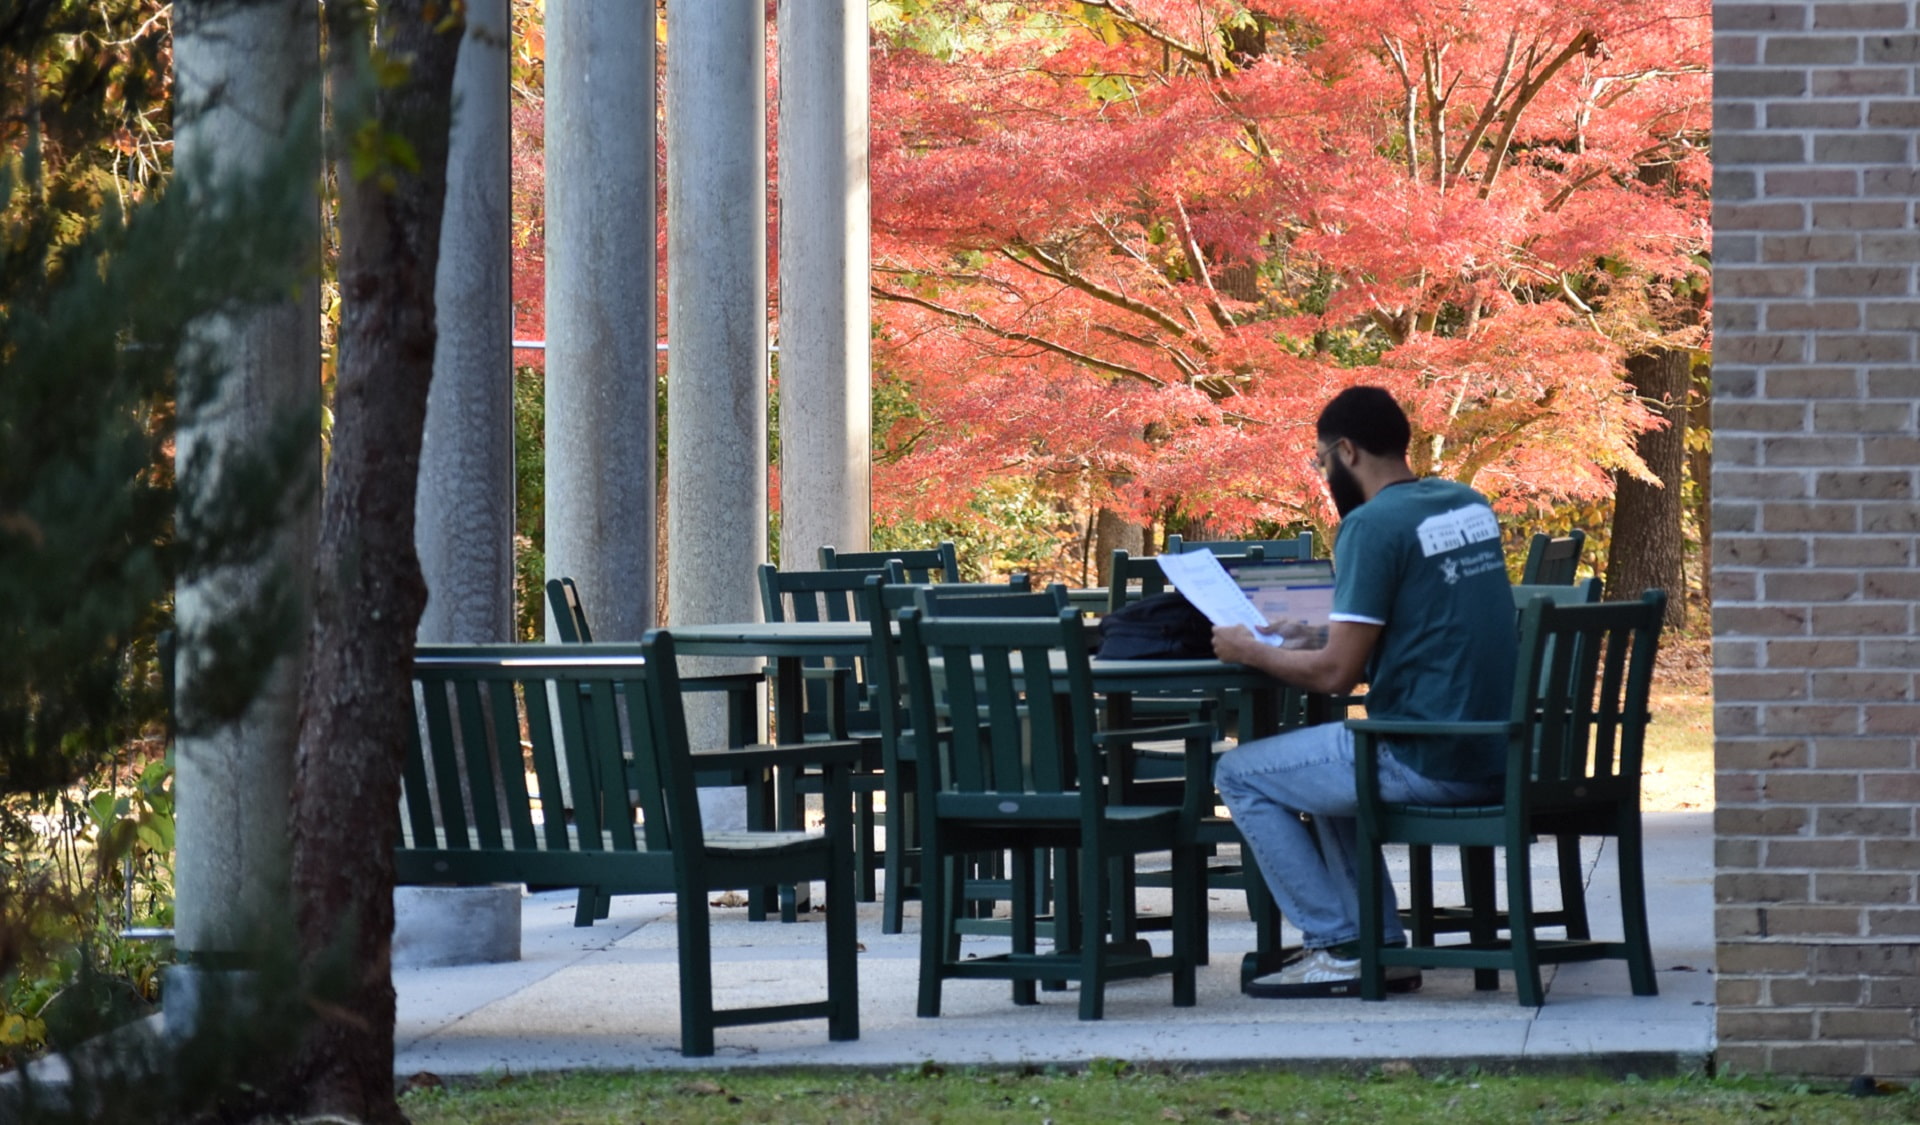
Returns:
<point x="1369" y="418"/>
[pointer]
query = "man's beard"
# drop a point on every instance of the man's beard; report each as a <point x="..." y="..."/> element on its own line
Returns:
<point x="1344" y="488"/>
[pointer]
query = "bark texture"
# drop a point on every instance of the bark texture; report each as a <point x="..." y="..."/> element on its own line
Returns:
<point x="1648" y="545"/>
<point x="368" y="590"/>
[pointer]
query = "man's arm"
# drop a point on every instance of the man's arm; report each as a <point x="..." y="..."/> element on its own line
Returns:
<point x="1334" y="669"/>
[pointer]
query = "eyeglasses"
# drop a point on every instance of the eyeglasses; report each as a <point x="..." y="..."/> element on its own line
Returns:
<point x="1323" y="459"/>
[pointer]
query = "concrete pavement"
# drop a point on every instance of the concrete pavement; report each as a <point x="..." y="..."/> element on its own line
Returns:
<point x="607" y="998"/>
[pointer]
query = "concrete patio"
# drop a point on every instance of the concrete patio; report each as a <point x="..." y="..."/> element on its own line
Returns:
<point x="607" y="998"/>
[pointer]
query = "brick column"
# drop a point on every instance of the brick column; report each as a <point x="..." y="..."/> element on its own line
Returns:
<point x="1816" y="533"/>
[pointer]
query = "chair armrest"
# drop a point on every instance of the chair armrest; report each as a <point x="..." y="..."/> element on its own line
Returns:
<point x="732" y="681"/>
<point x="1168" y="733"/>
<point x="764" y="757"/>
<point x="1420" y="727"/>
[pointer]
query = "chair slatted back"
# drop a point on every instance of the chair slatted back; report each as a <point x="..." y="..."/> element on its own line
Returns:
<point x="1551" y="561"/>
<point x="594" y="728"/>
<point x="822" y="595"/>
<point x="569" y="616"/>
<point x="1581" y="693"/>
<point x="926" y="564"/>
<point x="1125" y="570"/>
<point x="900" y="593"/>
<point x="942" y="601"/>
<point x="1018" y="700"/>
<point x="1256" y="550"/>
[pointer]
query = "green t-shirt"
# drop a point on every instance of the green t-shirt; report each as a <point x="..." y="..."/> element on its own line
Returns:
<point x="1423" y="560"/>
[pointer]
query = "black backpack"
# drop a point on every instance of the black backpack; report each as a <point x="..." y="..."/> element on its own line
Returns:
<point x="1157" y="627"/>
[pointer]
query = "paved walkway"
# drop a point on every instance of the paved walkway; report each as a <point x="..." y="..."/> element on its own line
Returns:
<point x="606" y="997"/>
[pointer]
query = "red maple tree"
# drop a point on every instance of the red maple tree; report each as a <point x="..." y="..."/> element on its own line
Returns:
<point x="1125" y="248"/>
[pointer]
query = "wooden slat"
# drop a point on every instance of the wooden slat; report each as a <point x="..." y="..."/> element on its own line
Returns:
<point x="476" y="743"/>
<point x="446" y="770"/>
<point x="546" y="764"/>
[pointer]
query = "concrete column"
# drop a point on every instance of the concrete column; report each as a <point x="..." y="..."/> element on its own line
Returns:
<point x="716" y="322"/>
<point x="464" y="513"/>
<point x="245" y="82"/>
<point x="825" y="416"/>
<point x="600" y="310"/>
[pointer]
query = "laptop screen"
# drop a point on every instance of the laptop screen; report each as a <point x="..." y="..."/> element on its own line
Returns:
<point x="1299" y="592"/>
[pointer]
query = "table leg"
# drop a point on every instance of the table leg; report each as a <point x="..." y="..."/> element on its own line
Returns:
<point x="790" y="729"/>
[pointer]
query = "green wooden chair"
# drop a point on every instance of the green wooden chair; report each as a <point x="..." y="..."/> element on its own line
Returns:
<point x="742" y="691"/>
<point x="1256" y="550"/>
<point x="1019" y="766"/>
<point x="605" y="736"/>
<point x="836" y="700"/>
<point x="925" y="564"/>
<point x="1574" y="739"/>
<point x="1551" y="561"/>
<point x="1423" y="918"/>
<point x="886" y="699"/>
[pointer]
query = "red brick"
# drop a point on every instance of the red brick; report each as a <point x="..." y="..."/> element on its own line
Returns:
<point x="1735" y="484"/>
<point x="1765" y="348"/>
<point x="1880" y="449"/>
<point x="1893" y="316"/>
<point x="1893" y="718"/>
<point x="1893" y="923"/>
<point x="1823" y="450"/>
<point x="1863" y="889"/>
<point x="1730" y="721"/>
<point x="1801" y="316"/>
<point x="1892" y="855"/>
<point x="1762" y="754"/>
<point x="1759" y="17"/>
<point x="1808" y="248"/>
<point x="1891" y="181"/>
<point x="1861" y="551"/>
<point x="1858" y="620"/>
<point x="1870" y="959"/>
<point x="1892" y="788"/>
<point x="1807" y="382"/>
<point x="1862" y="685"/>
<point x="1881" y="247"/>
<point x="1759" y="148"/>
<point x="1789" y="992"/>
<point x="1860" y="148"/>
<point x="1807" y="183"/>
<point x="1740" y="854"/>
<point x="1861" y="419"/>
<point x="1765" y="1024"/>
<point x="1867" y="485"/>
<point x="1810" y="921"/>
<point x="1891" y="347"/>
<point x="1762" y="216"/>
<point x="1732" y="788"/>
<point x="1753" y="887"/>
<point x="1733" y="383"/>
<point x="1812" y="114"/>
<point x="1867" y="80"/>
<point x="1860" y="15"/>
<point x="1732" y="922"/>
<point x="1890" y="215"/>
<point x="1889" y="519"/>
<point x="1760" y="822"/>
<point x="1893" y="1059"/>
<point x="1736" y="992"/>
<point x="1736" y="316"/>
<point x="1761" y="686"/>
<point x="1811" y="586"/>
<point x="1896" y="383"/>
<point x="1787" y="718"/>
<point x="1903" y="114"/>
<point x="1890" y="654"/>
<point x="1732" y="654"/>
<point x="1787" y="519"/>
<point x="1734" y="50"/>
<point x="1764" y="959"/>
<point x="1864" y="822"/>
<point x="1795" y="787"/>
<point x="1863" y="281"/>
<point x="1862" y="754"/>
<point x="1734" y="1059"/>
<point x="1822" y="653"/>
<point x="1777" y="281"/>
<point x="1892" y="585"/>
<point x="1825" y="1061"/>
<point x="1850" y="1023"/>
<point x="1828" y="854"/>
<point x="1902" y="49"/>
<point x="1765" y="620"/>
<point x="1764" y="417"/>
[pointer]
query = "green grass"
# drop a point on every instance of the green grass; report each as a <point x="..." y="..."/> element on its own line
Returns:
<point x="1112" y="1091"/>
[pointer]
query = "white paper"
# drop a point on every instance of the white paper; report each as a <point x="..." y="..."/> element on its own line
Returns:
<point x="1199" y="575"/>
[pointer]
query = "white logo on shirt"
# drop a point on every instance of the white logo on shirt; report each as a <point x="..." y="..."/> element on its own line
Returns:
<point x="1450" y="531"/>
<point x="1450" y="570"/>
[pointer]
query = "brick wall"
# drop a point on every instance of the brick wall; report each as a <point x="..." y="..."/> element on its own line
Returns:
<point x="1816" y="544"/>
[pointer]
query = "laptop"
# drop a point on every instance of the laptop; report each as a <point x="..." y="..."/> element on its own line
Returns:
<point x="1289" y="592"/>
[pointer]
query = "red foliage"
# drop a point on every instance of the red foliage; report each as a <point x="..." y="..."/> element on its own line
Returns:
<point x="1130" y="250"/>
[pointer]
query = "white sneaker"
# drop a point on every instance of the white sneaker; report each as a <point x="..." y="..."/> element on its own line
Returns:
<point x="1321" y="972"/>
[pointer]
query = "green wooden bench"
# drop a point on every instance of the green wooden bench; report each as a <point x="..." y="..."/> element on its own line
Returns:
<point x="569" y="767"/>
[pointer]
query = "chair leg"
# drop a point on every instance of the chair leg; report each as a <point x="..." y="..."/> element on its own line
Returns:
<point x="936" y="919"/>
<point x="696" y="973"/>
<point x="1633" y="908"/>
<point x="586" y="906"/>
<point x="761" y="901"/>
<point x="1522" y="941"/>
<point x="1189" y="921"/>
<point x="1483" y="925"/>
<point x="1094" y="910"/>
<point x="1573" y="888"/>
<point x="843" y="946"/>
<point x="1370" y="869"/>
<point x="1021" y="909"/>
<point x="1420" y="894"/>
<point x="865" y="865"/>
<point x="895" y="861"/>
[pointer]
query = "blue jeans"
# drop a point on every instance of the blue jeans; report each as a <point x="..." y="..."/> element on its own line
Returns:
<point x="1270" y="782"/>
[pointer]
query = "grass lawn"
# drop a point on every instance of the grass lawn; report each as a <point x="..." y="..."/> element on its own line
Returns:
<point x="1115" y="1092"/>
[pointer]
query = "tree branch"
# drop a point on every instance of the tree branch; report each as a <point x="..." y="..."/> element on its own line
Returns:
<point x="983" y="324"/>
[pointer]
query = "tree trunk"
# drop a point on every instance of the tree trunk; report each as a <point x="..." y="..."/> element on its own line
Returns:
<point x="1648" y="545"/>
<point x="1700" y="467"/>
<point x="1113" y="532"/>
<point x="368" y="590"/>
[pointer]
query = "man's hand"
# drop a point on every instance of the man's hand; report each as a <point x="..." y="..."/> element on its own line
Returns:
<point x="1236" y="644"/>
